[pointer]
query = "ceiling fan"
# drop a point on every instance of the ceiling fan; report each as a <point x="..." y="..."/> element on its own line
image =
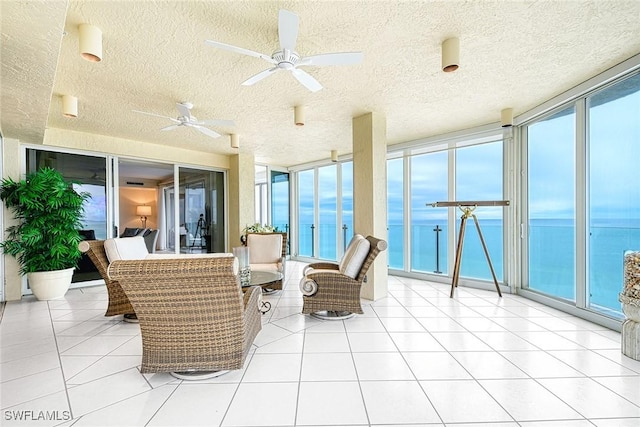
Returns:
<point x="186" y="119"/>
<point x="286" y="58"/>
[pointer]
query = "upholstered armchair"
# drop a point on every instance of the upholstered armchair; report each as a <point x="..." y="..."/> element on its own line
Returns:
<point x="195" y="320"/>
<point x="267" y="252"/>
<point x="332" y="291"/>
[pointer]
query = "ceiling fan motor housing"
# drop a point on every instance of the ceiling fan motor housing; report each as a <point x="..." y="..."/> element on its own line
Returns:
<point x="286" y="59"/>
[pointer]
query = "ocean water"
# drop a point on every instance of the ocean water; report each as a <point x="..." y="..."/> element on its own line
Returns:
<point x="551" y="254"/>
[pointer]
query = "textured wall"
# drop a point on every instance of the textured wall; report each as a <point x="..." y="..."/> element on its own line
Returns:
<point x="11" y="168"/>
<point x="241" y="195"/>
<point x="126" y="147"/>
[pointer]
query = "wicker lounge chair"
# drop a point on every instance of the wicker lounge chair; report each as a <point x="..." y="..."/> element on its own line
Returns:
<point x="268" y="252"/>
<point x="118" y="301"/>
<point x="194" y="318"/>
<point x="332" y="291"/>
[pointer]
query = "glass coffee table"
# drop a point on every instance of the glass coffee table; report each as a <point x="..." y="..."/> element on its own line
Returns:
<point x="264" y="279"/>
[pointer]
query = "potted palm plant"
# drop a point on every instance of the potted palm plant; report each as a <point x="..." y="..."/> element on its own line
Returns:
<point x="45" y="239"/>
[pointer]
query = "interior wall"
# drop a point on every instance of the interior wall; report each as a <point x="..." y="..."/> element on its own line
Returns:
<point x="126" y="147"/>
<point x="130" y="198"/>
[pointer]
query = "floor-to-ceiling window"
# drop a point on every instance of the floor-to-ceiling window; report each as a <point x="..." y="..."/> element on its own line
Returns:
<point x="479" y="177"/>
<point x="280" y="201"/>
<point x="551" y="225"/>
<point x="613" y="118"/>
<point x="88" y="174"/>
<point x="202" y="210"/>
<point x="583" y="210"/>
<point x="395" y="212"/>
<point x="306" y="212"/>
<point x="325" y="210"/>
<point x="429" y="184"/>
<point x="347" y="204"/>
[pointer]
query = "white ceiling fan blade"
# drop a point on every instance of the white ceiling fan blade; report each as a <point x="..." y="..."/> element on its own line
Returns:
<point x="287" y="29"/>
<point x="261" y="75"/>
<point x="172" y="127"/>
<point x="307" y="81"/>
<point x="183" y="110"/>
<point x="155" y="115"/>
<point x="344" y="58"/>
<point x="206" y="131"/>
<point x="229" y="123"/>
<point x="240" y="50"/>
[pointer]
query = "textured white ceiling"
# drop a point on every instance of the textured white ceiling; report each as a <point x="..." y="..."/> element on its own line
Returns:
<point x="513" y="54"/>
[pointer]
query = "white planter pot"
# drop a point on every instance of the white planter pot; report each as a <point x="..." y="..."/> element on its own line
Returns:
<point x="48" y="285"/>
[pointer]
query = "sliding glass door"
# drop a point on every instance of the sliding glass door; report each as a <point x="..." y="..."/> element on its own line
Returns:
<point x="201" y="211"/>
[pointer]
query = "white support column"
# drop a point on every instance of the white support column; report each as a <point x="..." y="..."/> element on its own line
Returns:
<point x="370" y="194"/>
<point x="241" y="195"/>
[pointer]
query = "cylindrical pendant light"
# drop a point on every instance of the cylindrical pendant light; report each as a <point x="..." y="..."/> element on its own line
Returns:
<point x="450" y="55"/>
<point x="90" y="42"/>
<point x="298" y="115"/>
<point x="235" y="140"/>
<point x="506" y="117"/>
<point x="69" y="106"/>
<point x="334" y="155"/>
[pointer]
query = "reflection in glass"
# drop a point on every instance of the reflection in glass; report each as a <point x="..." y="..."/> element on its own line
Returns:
<point x="201" y="211"/>
<point x="88" y="174"/>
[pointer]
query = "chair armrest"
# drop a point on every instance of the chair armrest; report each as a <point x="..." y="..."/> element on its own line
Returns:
<point x="319" y="266"/>
<point x="331" y="278"/>
<point x="324" y="266"/>
<point x="252" y="296"/>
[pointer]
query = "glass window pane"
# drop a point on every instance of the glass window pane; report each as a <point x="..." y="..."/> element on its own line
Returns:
<point x="280" y="200"/>
<point x="479" y="177"/>
<point x="305" y="212"/>
<point x="551" y="195"/>
<point x="395" y="212"/>
<point x="347" y="203"/>
<point x="201" y="211"/>
<point x="614" y="208"/>
<point x="429" y="184"/>
<point x="327" y="201"/>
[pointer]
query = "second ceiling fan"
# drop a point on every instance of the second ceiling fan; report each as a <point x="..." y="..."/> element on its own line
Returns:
<point x="286" y="58"/>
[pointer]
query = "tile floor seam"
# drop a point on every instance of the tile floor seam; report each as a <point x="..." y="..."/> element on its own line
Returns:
<point x="415" y="377"/>
<point x="355" y="369"/>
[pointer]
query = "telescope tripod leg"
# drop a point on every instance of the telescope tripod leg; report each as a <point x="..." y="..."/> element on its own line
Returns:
<point x="456" y="264"/>
<point x="486" y="254"/>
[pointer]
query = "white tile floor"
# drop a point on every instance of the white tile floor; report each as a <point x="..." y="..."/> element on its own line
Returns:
<point x="415" y="358"/>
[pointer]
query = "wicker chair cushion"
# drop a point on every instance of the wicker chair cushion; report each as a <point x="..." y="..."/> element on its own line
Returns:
<point x="129" y="249"/>
<point x="264" y="248"/>
<point x="354" y="256"/>
<point x="197" y="256"/>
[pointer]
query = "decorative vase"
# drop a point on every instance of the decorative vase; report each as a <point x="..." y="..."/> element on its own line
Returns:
<point x="242" y="253"/>
<point x="630" y="299"/>
<point x="50" y="285"/>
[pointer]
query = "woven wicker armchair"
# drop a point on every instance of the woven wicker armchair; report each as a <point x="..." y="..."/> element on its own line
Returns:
<point x="118" y="301"/>
<point x="194" y="318"/>
<point x="336" y="295"/>
<point x="261" y="258"/>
